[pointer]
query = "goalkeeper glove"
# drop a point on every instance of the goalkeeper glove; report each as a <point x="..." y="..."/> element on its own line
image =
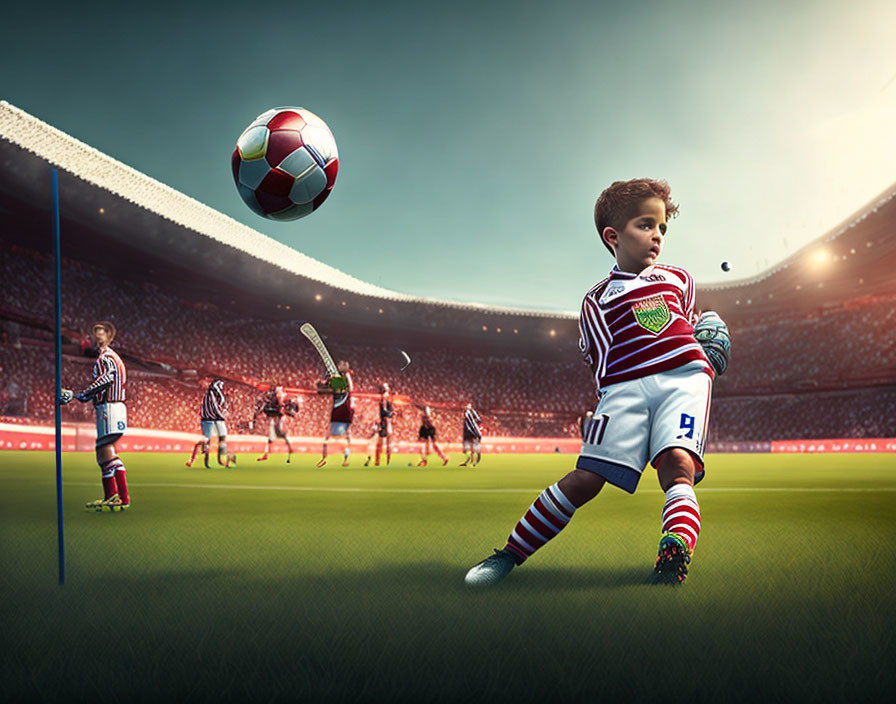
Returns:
<point x="83" y="398"/>
<point x="65" y="396"/>
<point x="712" y="334"/>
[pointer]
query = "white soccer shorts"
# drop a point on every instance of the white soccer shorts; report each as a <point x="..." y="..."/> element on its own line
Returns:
<point x="210" y="428"/>
<point x="637" y="420"/>
<point x="111" y="422"/>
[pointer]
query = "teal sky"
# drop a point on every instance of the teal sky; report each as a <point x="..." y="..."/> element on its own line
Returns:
<point x="474" y="137"/>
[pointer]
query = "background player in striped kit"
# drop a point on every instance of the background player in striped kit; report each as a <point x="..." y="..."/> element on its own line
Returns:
<point x="212" y="419"/>
<point x="274" y="405"/>
<point x="107" y="391"/>
<point x="341" y="416"/>
<point x="654" y="381"/>
<point x="472" y="437"/>
<point x="427" y="437"/>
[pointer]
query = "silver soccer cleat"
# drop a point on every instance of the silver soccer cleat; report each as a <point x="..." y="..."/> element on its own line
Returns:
<point x="491" y="570"/>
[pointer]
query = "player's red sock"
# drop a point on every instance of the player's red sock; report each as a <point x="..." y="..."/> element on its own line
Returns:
<point x="110" y="486"/>
<point x="379" y="452"/>
<point x="120" y="479"/>
<point x="681" y="513"/>
<point x="546" y="517"/>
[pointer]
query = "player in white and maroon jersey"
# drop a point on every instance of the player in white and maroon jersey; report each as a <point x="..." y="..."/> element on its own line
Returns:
<point x="212" y="419"/>
<point x="654" y="382"/>
<point x="107" y="392"/>
<point x="274" y="405"/>
<point x="472" y="437"/>
<point x="343" y="413"/>
<point x="427" y="437"/>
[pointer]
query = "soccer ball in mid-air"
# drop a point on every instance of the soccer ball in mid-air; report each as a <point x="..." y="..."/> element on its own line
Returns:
<point x="285" y="163"/>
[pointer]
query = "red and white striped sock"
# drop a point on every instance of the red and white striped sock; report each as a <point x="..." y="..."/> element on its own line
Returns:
<point x="120" y="479"/>
<point x="681" y="513"/>
<point x="546" y="517"/>
<point x="110" y="486"/>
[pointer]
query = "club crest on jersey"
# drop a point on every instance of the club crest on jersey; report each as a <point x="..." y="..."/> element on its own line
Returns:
<point x="652" y="313"/>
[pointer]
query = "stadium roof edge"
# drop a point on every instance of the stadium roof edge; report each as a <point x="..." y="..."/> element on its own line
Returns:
<point x="832" y="234"/>
<point x="91" y="165"/>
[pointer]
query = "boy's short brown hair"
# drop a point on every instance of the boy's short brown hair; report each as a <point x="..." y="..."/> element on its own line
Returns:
<point x="620" y="200"/>
<point x="107" y="326"/>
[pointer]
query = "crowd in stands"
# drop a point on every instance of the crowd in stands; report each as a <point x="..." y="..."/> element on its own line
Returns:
<point x="829" y="374"/>
<point x="830" y="348"/>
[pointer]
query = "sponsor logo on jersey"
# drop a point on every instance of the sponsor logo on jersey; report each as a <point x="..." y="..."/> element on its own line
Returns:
<point x="652" y="313"/>
<point x="612" y="291"/>
<point x="653" y="278"/>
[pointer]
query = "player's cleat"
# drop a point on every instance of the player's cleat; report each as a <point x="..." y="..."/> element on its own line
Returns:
<point x="115" y="504"/>
<point x="672" y="560"/>
<point x="491" y="570"/>
<point x="94" y="505"/>
<point x="367" y="463"/>
<point x="322" y="462"/>
<point x="189" y="464"/>
<point x="262" y="458"/>
<point x="421" y="463"/>
<point x="462" y="464"/>
<point x="445" y="462"/>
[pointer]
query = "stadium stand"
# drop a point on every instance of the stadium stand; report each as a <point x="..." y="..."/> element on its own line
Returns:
<point x="812" y="350"/>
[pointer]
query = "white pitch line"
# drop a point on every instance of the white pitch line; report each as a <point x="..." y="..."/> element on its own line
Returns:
<point x="405" y="490"/>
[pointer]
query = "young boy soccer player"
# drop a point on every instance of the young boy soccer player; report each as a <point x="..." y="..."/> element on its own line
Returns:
<point x="654" y="379"/>
<point x="107" y="393"/>
<point x="212" y="420"/>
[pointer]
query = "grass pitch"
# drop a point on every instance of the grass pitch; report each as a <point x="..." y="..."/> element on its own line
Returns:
<point x="278" y="582"/>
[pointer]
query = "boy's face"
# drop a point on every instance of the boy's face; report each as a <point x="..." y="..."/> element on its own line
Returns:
<point x="640" y="243"/>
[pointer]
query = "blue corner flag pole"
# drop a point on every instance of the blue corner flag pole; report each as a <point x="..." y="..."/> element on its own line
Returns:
<point x="58" y="258"/>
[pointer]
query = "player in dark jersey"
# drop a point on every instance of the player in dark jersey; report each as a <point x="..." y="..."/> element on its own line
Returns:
<point x="472" y="435"/>
<point x="107" y="392"/>
<point x="273" y="405"/>
<point x="343" y="411"/>
<point x="387" y="412"/>
<point x="212" y="418"/>
<point x="427" y="437"/>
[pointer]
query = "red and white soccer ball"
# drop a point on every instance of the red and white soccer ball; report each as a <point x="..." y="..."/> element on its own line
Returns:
<point x="285" y="163"/>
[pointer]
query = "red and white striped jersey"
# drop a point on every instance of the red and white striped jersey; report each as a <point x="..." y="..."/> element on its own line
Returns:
<point x="109" y="379"/>
<point x="214" y="407"/>
<point x="635" y="325"/>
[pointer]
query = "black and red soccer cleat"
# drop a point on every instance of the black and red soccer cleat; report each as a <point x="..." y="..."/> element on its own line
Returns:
<point x="672" y="560"/>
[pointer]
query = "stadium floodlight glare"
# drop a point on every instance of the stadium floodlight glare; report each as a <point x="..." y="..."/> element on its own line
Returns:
<point x="820" y="257"/>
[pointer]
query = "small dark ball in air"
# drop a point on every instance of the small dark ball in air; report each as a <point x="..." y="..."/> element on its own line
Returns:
<point x="726" y="266"/>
